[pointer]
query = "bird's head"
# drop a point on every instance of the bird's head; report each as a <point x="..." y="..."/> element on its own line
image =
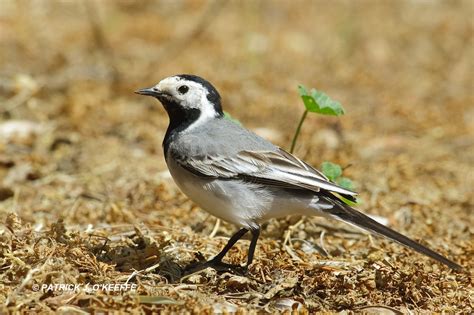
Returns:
<point x="185" y="94"/>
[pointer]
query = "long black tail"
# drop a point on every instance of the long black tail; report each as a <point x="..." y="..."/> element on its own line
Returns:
<point x="347" y="214"/>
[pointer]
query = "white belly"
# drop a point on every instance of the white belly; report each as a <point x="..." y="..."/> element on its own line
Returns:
<point x="234" y="201"/>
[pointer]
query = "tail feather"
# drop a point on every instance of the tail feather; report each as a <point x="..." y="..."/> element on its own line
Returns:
<point x="347" y="214"/>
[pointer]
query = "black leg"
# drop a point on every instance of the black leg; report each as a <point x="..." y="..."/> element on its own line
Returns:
<point x="216" y="262"/>
<point x="237" y="236"/>
<point x="253" y="245"/>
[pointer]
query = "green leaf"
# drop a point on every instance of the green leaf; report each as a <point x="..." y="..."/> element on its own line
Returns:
<point x="318" y="102"/>
<point x="345" y="182"/>
<point x="331" y="170"/>
<point x="146" y="299"/>
<point x="229" y="117"/>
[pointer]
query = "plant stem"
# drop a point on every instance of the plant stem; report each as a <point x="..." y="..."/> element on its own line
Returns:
<point x="297" y="132"/>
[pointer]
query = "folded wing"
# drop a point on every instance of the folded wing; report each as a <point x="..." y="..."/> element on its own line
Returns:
<point x="277" y="168"/>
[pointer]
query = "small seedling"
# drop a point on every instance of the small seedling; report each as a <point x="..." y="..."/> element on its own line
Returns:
<point x="334" y="173"/>
<point x="315" y="102"/>
<point x="318" y="102"/>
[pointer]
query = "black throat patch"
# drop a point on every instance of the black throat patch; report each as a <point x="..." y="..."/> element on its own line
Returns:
<point x="180" y="119"/>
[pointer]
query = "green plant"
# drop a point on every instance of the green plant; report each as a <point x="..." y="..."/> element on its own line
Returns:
<point x="315" y="102"/>
<point x="318" y="102"/>
<point x="334" y="173"/>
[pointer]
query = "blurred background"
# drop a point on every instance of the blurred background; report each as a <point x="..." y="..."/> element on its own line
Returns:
<point x="76" y="143"/>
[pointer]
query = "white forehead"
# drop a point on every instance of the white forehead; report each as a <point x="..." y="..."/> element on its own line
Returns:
<point x="172" y="83"/>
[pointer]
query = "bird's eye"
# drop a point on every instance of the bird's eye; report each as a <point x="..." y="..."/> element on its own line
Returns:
<point x="183" y="89"/>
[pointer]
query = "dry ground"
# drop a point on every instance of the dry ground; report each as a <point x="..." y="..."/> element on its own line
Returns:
<point x="84" y="192"/>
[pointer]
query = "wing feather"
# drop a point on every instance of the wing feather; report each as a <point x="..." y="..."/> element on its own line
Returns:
<point x="278" y="168"/>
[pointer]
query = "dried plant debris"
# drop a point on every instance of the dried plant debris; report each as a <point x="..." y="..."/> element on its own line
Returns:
<point x="90" y="220"/>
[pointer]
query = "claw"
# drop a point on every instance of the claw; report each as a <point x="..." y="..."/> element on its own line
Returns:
<point x="219" y="266"/>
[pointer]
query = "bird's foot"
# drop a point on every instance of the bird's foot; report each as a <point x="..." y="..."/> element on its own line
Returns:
<point x="217" y="265"/>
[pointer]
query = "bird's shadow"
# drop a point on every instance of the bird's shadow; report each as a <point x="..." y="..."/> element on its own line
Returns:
<point x="139" y="253"/>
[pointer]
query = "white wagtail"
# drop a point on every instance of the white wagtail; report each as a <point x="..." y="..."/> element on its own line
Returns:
<point x="242" y="178"/>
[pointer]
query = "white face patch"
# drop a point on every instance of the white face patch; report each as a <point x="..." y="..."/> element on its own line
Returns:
<point x="195" y="97"/>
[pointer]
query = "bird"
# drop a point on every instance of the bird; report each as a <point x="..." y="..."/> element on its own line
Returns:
<point x="241" y="178"/>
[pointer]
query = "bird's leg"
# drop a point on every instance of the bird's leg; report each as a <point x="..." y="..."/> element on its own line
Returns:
<point x="253" y="245"/>
<point x="216" y="262"/>
<point x="237" y="236"/>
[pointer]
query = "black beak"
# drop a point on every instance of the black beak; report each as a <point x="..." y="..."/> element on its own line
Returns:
<point x="152" y="91"/>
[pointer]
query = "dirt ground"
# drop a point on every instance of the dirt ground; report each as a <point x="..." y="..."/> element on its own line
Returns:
<point x="86" y="199"/>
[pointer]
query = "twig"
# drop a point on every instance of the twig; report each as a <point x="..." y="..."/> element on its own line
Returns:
<point x="184" y="287"/>
<point x="312" y="245"/>
<point x="263" y="275"/>
<point x="335" y="229"/>
<point x="293" y="255"/>
<point x="290" y="229"/>
<point x="334" y="263"/>
<point x="371" y="240"/>
<point x="215" y="229"/>
<point x="137" y="272"/>
<point x="321" y="242"/>
<point x="287" y="240"/>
